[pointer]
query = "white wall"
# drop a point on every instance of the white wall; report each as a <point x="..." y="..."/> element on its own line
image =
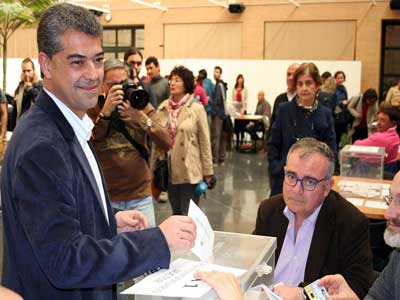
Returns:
<point x="269" y="75"/>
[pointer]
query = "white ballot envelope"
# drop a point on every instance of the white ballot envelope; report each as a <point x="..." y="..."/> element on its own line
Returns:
<point x="178" y="280"/>
<point x="204" y="244"/>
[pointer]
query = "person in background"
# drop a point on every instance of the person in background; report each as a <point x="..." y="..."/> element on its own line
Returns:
<point x="341" y="124"/>
<point x="239" y="95"/>
<point x="3" y="116"/>
<point x="393" y="95"/>
<point x="208" y="85"/>
<point x="134" y="59"/>
<point x="325" y="76"/>
<point x="189" y="157"/>
<point x="263" y="109"/>
<point x="158" y="85"/>
<point x="327" y="94"/>
<point x="287" y="96"/>
<point x="199" y="92"/>
<point x="386" y="135"/>
<point x="218" y="115"/>
<point x="301" y="117"/>
<point x="27" y="90"/>
<point x="318" y="231"/>
<point x="364" y="109"/>
<point x="387" y="285"/>
<point x="119" y="159"/>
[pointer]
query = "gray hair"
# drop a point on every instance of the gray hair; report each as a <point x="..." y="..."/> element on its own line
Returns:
<point x="114" y="63"/>
<point x="309" y="146"/>
<point x="61" y="18"/>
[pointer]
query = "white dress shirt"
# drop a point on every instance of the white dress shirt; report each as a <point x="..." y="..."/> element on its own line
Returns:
<point x="83" y="130"/>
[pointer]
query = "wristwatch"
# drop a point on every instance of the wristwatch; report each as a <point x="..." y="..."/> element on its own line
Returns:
<point x="148" y="124"/>
<point x="103" y="117"/>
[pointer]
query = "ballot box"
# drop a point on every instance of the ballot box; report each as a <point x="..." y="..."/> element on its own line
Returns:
<point x="256" y="254"/>
<point x="362" y="162"/>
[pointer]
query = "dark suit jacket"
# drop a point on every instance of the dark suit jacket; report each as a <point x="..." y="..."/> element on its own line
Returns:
<point x="57" y="243"/>
<point x="340" y="243"/>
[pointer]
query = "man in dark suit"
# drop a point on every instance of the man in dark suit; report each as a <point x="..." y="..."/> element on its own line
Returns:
<point x="318" y="232"/>
<point x="61" y="238"/>
<point x="286" y="96"/>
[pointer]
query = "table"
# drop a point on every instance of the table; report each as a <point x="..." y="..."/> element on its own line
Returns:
<point x="240" y="123"/>
<point x="370" y="212"/>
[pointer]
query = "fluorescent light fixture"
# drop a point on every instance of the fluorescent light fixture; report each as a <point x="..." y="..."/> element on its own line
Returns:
<point x="152" y="5"/>
<point x="92" y="7"/>
<point x="220" y="3"/>
<point x="295" y="3"/>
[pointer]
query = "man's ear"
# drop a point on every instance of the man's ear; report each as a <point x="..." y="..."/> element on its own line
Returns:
<point x="45" y="65"/>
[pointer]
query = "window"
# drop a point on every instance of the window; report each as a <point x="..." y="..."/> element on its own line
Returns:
<point x="116" y="40"/>
<point x="390" y="60"/>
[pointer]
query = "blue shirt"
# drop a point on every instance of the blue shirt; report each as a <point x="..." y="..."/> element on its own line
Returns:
<point x="292" y="260"/>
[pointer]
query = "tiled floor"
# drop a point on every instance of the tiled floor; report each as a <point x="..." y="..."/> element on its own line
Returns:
<point x="232" y="205"/>
<point x="242" y="182"/>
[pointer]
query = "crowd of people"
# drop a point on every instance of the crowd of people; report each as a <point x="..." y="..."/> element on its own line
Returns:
<point x="77" y="181"/>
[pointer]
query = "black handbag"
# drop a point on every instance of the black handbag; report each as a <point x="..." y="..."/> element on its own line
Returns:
<point x="160" y="174"/>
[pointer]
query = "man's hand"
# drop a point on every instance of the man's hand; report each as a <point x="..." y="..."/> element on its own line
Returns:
<point x="115" y="97"/>
<point x="130" y="115"/>
<point x="289" y="292"/>
<point x="226" y="285"/>
<point x="179" y="231"/>
<point x="27" y="82"/>
<point x="337" y="287"/>
<point x="130" y="220"/>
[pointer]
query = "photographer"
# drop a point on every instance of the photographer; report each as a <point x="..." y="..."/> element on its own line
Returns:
<point x="122" y="160"/>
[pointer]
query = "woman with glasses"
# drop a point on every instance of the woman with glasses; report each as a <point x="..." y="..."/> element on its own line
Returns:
<point x="189" y="158"/>
<point x="299" y="118"/>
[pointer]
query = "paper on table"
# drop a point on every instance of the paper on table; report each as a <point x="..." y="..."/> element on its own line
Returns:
<point x="179" y="280"/>
<point x="365" y="149"/>
<point x="204" y="243"/>
<point x="376" y="204"/>
<point x="356" y="201"/>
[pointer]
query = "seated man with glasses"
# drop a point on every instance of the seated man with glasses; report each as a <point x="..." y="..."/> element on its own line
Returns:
<point x="318" y="232"/>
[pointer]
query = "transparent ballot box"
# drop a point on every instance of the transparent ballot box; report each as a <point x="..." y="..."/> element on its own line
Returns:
<point x="250" y="252"/>
<point x="362" y="162"/>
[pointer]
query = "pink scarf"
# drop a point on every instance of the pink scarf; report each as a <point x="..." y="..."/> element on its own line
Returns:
<point x="174" y="109"/>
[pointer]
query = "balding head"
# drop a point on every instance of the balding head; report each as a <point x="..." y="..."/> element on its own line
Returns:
<point x="392" y="214"/>
<point x="289" y="77"/>
<point x="261" y="96"/>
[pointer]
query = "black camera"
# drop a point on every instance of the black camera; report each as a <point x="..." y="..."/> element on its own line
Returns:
<point x="137" y="96"/>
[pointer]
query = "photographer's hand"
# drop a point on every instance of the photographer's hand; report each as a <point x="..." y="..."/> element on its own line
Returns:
<point x="130" y="115"/>
<point x="115" y="97"/>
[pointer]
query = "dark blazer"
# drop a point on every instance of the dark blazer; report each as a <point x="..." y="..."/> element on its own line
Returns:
<point x="340" y="242"/>
<point x="282" y="98"/>
<point x="57" y="243"/>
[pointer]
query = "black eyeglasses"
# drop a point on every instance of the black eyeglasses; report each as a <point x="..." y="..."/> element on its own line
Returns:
<point x="307" y="183"/>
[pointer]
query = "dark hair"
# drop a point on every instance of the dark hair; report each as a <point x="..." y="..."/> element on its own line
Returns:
<point x="338" y="73"/>
<point x="310" y="69"/>
<point x="326" y="75"/>
<point x="219" y="68"/>
<point x="200" y="77"/>
<point x="28" y="60"/>
<point x="187" y="77"/>
<point x="237" y="79"/>
<point x="203" y="72"/>
<point x="152" y="60"/>
<point x="389" y="110"/>
<point x="370" y="94"/>
<point x="132" y="51"/>
<point x="61" y="18"/>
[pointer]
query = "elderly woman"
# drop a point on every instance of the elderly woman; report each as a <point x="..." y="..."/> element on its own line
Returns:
<point x="364" y="109"/>
<point x="189" y="158"/>
<point x="299" y="118"/>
